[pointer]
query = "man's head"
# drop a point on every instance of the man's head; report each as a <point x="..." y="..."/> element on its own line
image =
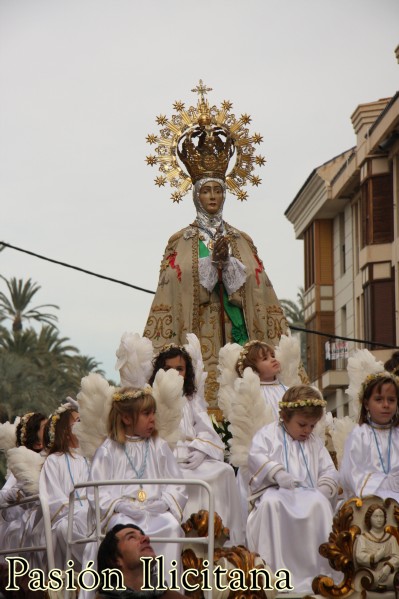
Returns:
<point x="122" y="548"/>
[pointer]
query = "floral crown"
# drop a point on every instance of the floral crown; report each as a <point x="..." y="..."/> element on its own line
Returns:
<point x="23" y="422"/>
<point x="302" y="403"/>
<point x="244" y="352"/>
<point x="146" y="390"/>
<point x="53" y="419"/>
<point x="384" y="374"/>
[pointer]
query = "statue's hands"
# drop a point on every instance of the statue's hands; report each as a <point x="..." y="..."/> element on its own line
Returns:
<point x="386" y="570"/>
<point x="220" y="252"/>
<point x="284" y="479"/>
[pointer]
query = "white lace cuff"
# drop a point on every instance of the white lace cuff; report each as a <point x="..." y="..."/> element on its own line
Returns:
<point x="234" y="274"/>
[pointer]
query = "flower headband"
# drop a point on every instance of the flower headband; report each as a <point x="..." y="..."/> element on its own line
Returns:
<point x="53" y="419"/>
<point x="146" y="390"/>
<point x="244" y="352"/>
<point x="23" y="422"/>
<point x="302" y="403"/>
<point x="384" y="374"/>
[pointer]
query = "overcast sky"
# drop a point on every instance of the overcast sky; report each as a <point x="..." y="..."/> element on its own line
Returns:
<point x="81" y="82"/>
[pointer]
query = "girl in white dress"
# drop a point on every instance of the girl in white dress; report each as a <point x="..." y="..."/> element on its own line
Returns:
<point x="370" y="464"/>
<point x="63" y="468"/>
<point x="261" y="357"/>
<point x="293" y="481"/>
<point x="200" y="452"/>
<point x="131" y="452"/>
<point x="16" y="522"/>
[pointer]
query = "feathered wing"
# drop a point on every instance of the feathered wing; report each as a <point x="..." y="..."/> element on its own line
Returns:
<point x="95" y="400"/>
<point x="339" y="432"/>
<point x="288" y="353"/>
<point x="25" y="465"/>
<point x="360" y="365"/>
<point x="8" y="437"/>
<point x="228" y="357"/>
<point x="134" y="360"/>
<point x="193" y="348"/>
<point x="248" y="413"/>
<point x="168" y="393"/>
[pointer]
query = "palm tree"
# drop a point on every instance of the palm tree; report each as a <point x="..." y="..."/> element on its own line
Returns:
<point x="295" y="314"/>
<point x="16" y="306"/>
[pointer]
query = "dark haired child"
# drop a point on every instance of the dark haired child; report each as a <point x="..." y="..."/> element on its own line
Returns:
<point x="293" y="481"/>
<point x="370" y="464"/>
<point x="200" y="452"/>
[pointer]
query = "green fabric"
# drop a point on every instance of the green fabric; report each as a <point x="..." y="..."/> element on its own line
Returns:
<point x="238" y="328"/>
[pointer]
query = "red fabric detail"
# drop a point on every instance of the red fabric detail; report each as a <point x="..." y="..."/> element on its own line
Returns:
<point x="259" y="269"/>
<point x="172" y="263"/>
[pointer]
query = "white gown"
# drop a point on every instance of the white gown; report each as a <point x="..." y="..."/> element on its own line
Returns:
<point x="59" y="473"/>
<point x="198" y="433"/>
<point x="119" y="503"/>
<point x="272" y="393"/>
<point x="287" y="526"/>
<point x="362" y="472"/>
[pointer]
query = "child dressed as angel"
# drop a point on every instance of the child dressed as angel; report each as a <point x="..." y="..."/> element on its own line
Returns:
<point x="293" y="481"/>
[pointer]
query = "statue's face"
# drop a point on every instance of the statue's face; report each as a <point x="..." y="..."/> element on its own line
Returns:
<point x="211" y="197"/>
<point x="377" y="519"/>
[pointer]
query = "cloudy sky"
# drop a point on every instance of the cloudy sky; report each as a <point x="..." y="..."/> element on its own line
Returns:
<point x="81" y="83"/>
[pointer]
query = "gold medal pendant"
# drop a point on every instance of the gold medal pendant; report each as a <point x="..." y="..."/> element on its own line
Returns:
<point x="141" y="495"/>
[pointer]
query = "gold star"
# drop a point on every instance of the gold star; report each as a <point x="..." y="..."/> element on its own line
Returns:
<point x="257" y="138"/>
<point x="246" y="119"/>
<point x="161" y="119"/>
<point x="176" y="196"/>
<point x="242" y="195"/>
<point x="160" y="181"/>
<point x="227" y="105"/>
<point x="151" y="160"/>
<point x="179" y="106"/>
<point x="255" y="180"/>
<point x="151" y="139"/>
<point x="260" y="160"/>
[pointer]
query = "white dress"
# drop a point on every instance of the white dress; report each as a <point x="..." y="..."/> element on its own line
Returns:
<point x="368" y="452"/>
<point x="197" y="432"/>
<point x="119" y="503"/>
<point x="272" y="393"/>
<point x="59" y="473"/>
<point x="10" y="518"/>
<point x="287" y="526"/>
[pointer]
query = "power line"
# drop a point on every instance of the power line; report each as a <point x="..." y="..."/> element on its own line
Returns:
<point x="3" y="244"/>
<point x="88" y="272"/>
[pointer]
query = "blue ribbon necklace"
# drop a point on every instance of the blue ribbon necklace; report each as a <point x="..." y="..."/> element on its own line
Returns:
<point x="303" y="455"/>
<point x="386" y="471"/>
<point x="141" y="494"/>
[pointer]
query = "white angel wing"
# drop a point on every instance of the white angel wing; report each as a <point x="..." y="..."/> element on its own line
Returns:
<point x="339" y="432"/>
<point x="168" y="393"/>
<point x="193" y="348"/>
<point x="8" y="437"/>
<point x="360" y="365"/>
<point x="288" y="353"/>
<point x="25" y="465"/>
<point x="228" y="357"/>
<point x="135" y="354"/>
<point x="248" y="413"/>
<point x="95" y="400"/>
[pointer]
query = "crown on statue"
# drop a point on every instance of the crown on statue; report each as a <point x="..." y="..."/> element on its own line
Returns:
<point x="205" y="139"/>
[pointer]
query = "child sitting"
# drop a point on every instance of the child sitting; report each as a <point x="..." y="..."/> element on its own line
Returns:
<point x="200" y="453"/>
<point x="370" y="464"/>
<point x="64" y="467"/>
<point x="293" y="480"/>
<point x="131" y="452"/>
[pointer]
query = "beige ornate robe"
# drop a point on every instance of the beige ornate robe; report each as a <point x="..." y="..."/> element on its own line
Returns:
<point x="182" y="305"/>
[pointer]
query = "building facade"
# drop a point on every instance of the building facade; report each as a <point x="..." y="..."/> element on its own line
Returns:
<point x="347" y="215"/>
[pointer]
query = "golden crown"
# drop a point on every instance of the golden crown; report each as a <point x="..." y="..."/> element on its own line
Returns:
<point x="205" y="138"/>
